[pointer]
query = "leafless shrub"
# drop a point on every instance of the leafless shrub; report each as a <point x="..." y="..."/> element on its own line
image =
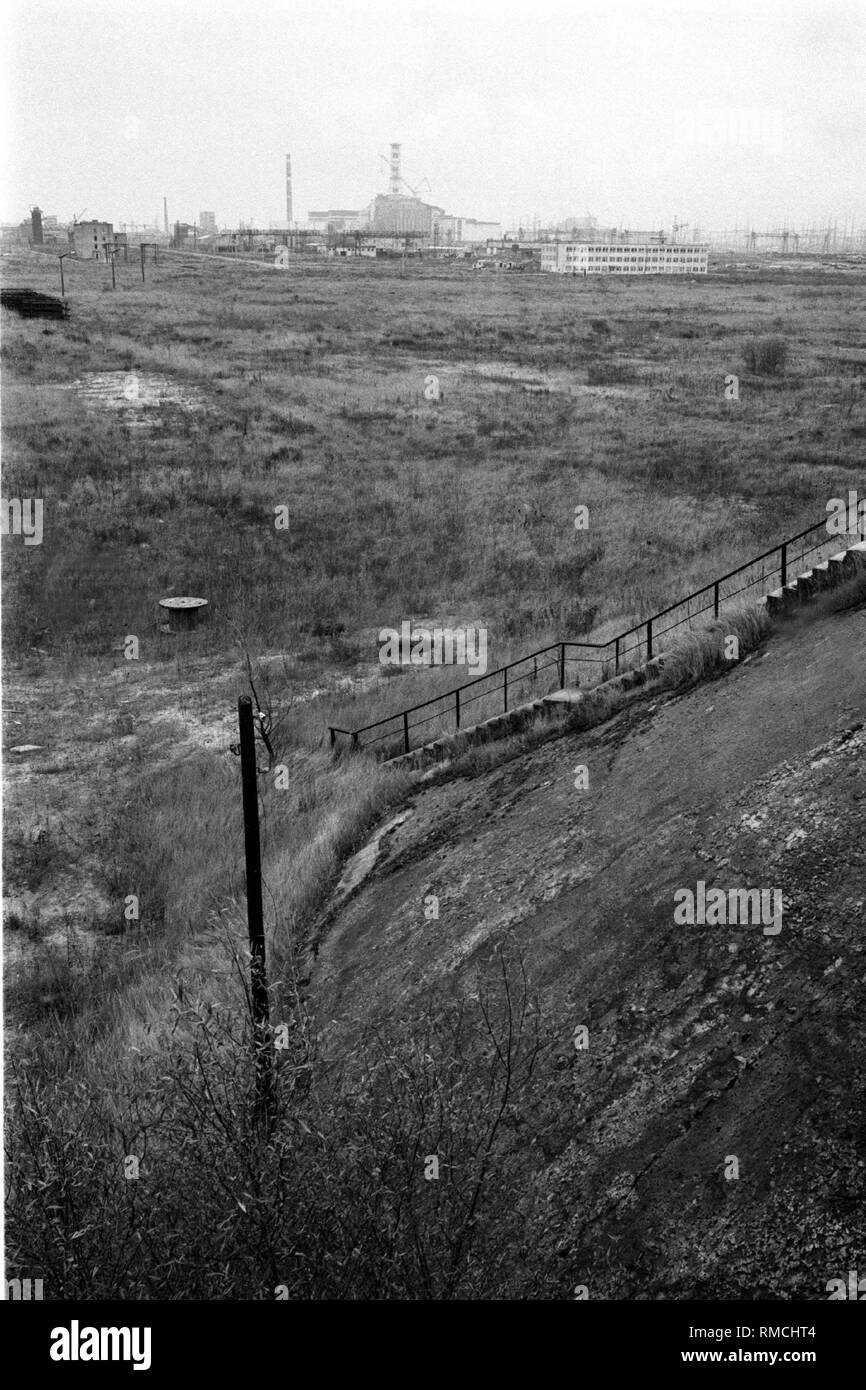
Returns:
<point x="386" y="1174"/>
<point x="766" y="356"/>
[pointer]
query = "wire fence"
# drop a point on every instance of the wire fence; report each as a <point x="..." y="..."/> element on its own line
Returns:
<point x="586" y="663"/>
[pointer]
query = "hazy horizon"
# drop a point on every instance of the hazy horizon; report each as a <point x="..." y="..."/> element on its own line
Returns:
<point x="638" y="114"/>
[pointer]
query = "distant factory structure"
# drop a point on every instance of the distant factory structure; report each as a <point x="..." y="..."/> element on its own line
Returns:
<point x="183" y="234"/>
<point x="400" y="213"/>
<point x="338" y="220"/>
<point x="207" y="223"/>
<point x="92" y="240"/>
<point x="404" y="214"/>
<point x="624" y="258"/>
<point x="451" y="231"/>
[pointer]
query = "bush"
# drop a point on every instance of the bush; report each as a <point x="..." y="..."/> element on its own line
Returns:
<point x="333" y="1201"/>
<point x="766" y="356"/>
<point x="610" y="374"/>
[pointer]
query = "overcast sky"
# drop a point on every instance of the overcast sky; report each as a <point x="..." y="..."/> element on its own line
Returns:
<point x="638" y="113"/>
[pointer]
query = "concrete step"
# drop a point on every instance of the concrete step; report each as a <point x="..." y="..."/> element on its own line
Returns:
<point x="824" y="575"/>
<point x="782" y="600"/>
<point x="562" y="699"/>
<point x="806" y="584"/>
<point x="841" y="566"/>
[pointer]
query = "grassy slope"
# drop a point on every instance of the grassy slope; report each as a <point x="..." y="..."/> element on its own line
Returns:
<point x="704" y="1041"/>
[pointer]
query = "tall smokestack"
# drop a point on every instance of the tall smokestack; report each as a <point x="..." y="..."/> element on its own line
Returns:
<point x="289" y="218"/>
<point x="395" y="169"/>
<point x="165" y="214"/>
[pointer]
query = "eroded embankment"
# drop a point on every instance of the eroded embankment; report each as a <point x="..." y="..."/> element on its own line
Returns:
<point x="707" y="1044"/>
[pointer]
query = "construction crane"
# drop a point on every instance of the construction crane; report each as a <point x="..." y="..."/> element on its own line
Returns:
<point x="413" y="191"/>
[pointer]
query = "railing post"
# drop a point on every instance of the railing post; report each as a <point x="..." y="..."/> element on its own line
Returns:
<point x="562" y="666"/>
<point x="505" y="689"/>
<point x="457" y="708"/>
<point x="616" y="658"/>
<point x="784" y="564"/>
<point x="716" y="600"/>
<point x="649" y="639"/>
<point x="405" y="731"/>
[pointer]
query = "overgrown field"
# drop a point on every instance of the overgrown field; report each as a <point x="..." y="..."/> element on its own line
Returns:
<point x="163" y="424"/>
<point x="307" y="390"/>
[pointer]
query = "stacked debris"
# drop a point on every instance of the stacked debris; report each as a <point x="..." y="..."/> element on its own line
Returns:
<point x="30" y="304"/>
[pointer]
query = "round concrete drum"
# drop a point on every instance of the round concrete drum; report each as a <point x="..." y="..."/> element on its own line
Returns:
<point x="183" y="613"/>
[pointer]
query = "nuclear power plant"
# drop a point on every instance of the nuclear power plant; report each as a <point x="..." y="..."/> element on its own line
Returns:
<point x="399" y="221"/>
<point x="402" y="212"/>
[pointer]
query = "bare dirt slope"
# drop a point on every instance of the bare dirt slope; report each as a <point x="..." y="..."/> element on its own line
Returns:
<point x="706" y="1043"/>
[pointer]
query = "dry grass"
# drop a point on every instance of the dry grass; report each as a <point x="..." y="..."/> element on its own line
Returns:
<point x="312" y="397"/>
<point x="311" y="390"/>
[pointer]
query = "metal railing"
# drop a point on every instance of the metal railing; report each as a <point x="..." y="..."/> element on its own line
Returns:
<point x="770" y="570"/>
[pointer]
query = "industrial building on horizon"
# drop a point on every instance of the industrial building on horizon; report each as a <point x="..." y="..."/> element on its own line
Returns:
<point x="398" y="213"/>
<point x="572" y="245"/>
<point x="91" y="240"/>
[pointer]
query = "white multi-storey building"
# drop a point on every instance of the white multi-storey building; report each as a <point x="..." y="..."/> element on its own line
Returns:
<point x="619" y="258"/>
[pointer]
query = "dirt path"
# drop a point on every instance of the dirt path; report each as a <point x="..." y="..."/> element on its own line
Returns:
<point x="706" y="1043"/>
